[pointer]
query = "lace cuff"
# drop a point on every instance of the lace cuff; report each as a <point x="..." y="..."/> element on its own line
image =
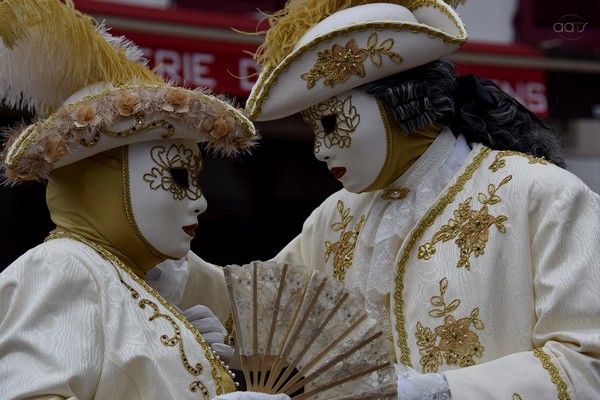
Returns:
<point x="416" y="386"/>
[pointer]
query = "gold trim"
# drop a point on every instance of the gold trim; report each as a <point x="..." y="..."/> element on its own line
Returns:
<point x="425" y="222"/>
<point x="242" y="122"/>
<point x="561" y="386"/>
<point x="129" y="208"/>
<point x="218" y="371"/>
<point x="264" y="88"/>
<point x="443" y="8"/>
<point x="499" y="161"/>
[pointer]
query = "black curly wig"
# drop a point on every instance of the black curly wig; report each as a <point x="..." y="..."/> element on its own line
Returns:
<point x="474" y="107"/>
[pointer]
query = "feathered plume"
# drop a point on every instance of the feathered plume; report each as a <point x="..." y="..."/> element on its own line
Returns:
<point x="49" y="50"/>
<point x="289" y="24"/>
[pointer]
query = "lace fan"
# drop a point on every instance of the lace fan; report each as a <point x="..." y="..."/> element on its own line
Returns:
<point x="302" y="333"/>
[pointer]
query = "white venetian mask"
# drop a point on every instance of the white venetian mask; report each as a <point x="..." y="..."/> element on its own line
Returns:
<point x="351" y="137"/>
<point x="165" y="198"/>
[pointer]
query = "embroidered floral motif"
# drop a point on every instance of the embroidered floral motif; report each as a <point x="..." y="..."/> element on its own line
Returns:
<point x="499" y="161"/>
<point x="453" y="342"/>
<point x="346" y="121"/>
<point x="470" y="228"/>
<point x="177" y="157"/>
<point x="343" y="249"/>
<point x="341" y="62"/>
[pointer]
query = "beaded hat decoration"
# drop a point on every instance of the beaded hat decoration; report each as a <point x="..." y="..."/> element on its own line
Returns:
<point x="316" y="49"/>
<point x="91" y="92"/>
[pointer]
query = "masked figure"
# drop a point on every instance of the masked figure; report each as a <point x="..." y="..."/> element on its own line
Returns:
<point x="456" y="225"/>
<point x="119" y="149"/>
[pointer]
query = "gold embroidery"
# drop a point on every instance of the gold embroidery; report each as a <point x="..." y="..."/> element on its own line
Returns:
<point x="230" y="338"/>
<point x="411" y="241"/>
<point x="469" y="227"/>
<point x="176" y="339"/>
<point x="197" y="385"/>
<point x="395" y="193"/>
<point x="343" y="249"/>
<point x="457" y="343"/>
<point x="561" y="386"/>
<point x="176" y="157"/>
<point x="272" y="74"/>
<point x="341" y="62"/>
<point x="499" y="161"/>
<point x="136" y="129"/>
<point x="346" y="121"/>
<point x="223" y="381"/>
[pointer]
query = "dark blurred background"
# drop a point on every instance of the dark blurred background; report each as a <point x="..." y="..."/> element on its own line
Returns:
<point x="544" y="53"/>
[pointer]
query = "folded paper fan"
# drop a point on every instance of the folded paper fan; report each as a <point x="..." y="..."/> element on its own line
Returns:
<point x="302" y="333"/>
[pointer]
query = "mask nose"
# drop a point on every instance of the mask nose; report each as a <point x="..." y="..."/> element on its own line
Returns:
<point x="200" y="205"/>
<point x="323" y="153"/>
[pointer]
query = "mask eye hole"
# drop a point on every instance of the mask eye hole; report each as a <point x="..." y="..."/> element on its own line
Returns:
<point x="180" y="177"/>
<point x="329" y="122"/>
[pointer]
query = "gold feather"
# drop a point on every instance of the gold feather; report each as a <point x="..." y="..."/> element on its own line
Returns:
<point x="69" y="45"/>
<point x="289" y="24"/>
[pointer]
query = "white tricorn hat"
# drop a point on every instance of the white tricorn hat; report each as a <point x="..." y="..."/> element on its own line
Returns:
<point x="348" y="48"/>
<point x="92" y="92"/>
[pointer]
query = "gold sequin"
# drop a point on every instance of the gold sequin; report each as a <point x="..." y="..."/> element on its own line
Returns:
<point x="343" y="249"/>
<point x="453" y="341"/>
<point x="469" y="228"/>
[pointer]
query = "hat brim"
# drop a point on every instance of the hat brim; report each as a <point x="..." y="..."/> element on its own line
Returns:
<point x="319" y="68"/>
<point x="115" y="117"/>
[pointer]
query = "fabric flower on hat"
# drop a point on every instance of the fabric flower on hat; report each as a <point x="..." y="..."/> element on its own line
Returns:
<point x="222" y="127"/>
<point x="85" y="116"/>
<point x="127" y="103"/>
<point x="54" y="147"/>
<point x="177" y="100"/>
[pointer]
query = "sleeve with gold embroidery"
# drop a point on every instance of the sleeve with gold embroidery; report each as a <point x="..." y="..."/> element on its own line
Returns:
<point x="566" y="333"/>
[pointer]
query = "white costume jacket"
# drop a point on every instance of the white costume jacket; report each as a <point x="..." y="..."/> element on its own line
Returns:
<point x="481" y="265"/>
<point x="76" y="323"/>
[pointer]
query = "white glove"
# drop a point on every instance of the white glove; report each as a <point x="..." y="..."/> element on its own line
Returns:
<point x="252" y="396"/>
<point x="413" y="385"/>
<point x="211" y="329"/>
<point x="169" y="278"/>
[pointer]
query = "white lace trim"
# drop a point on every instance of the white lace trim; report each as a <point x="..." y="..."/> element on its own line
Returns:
<point x="169" y="278"/>
<point x="415" y="386"/>
<point x="389" y="222"/>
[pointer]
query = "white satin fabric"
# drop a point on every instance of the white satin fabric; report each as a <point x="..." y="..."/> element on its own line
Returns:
<point x="73" y="325"/>
<point x="533" y="291"/>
